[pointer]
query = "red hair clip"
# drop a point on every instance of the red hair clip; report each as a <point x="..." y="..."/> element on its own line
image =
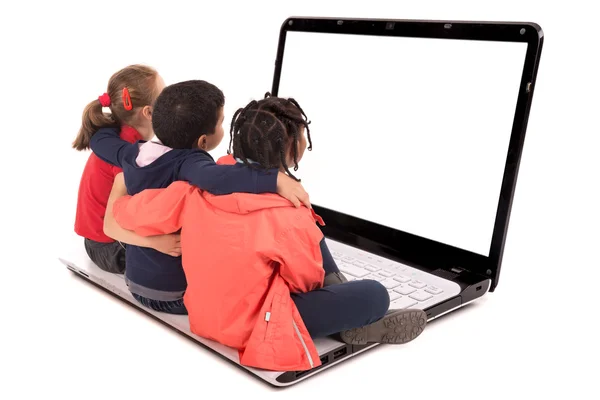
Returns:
<point x="104" y="100"/>
<point x="127" y="100"/>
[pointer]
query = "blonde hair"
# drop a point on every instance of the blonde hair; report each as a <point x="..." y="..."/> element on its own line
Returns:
<point x="140" y="81"/>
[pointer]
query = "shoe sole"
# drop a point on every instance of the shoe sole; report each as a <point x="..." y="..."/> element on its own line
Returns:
<point x="397" y="327"/>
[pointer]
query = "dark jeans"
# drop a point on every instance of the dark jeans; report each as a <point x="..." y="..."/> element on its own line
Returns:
<point x="335" y="308"/>
<point x="325" y="311"/>
<point x="109" y="257"/>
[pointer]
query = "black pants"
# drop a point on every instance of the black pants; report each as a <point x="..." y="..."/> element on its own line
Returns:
<point x="109" y="257"/>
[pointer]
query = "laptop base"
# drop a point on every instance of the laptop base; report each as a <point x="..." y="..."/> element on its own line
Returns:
<point x="331" y="351"/>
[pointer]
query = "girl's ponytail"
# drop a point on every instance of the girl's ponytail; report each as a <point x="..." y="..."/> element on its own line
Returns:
<point x="93" y="119"/>
<point x="129" y="89"/>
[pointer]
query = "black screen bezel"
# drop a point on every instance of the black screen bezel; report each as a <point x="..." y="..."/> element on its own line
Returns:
<point x="401" y="245"/>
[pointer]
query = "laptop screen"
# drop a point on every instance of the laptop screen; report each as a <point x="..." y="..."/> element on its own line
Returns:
<point x="409" y="133"/>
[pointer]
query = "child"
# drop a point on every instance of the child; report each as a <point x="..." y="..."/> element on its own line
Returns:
<point x="130" y="95"/>
<point x="256" y="266"/>
<point x="188" y="121"/>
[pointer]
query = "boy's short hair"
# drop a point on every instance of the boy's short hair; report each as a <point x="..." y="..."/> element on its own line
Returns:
<point x="185" y="111"/>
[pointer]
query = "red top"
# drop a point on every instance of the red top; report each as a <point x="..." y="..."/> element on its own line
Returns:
<point x="94" y="189"/>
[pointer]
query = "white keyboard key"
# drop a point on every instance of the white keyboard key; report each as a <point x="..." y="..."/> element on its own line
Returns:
<point x="433" y="290"/>
<point x="418" y="284"/>
<point x="337" y="254"/>
<point x="387" y="274"/>
<point x="375" y="277"/>
<point x="404" y="302"/>
<point x="402" y="278"/>
<point x="369" y="257"/>
<point x="353" y="270"/>
<point x="359" y="263"/>
<point x="421" y="296"/>
<point x="350" y="278"/>
<point x="371" y="268"/>
<point x="394" y="296"/>
<point x="348" y="259"/>
<point x="390" y="283"/>
<point x="404" y="289"/>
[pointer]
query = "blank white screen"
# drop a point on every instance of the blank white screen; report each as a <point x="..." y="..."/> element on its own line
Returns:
<point x="409" y="133"/>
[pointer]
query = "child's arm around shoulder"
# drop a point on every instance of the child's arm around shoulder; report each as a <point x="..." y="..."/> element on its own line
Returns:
<point x="152" y="211"/>
<point x="200" y="170"/>
<point x="108" y="146"/>
<point x="165" y="243"/>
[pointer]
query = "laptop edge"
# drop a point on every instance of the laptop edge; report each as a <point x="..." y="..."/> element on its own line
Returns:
<point x="475" y="274"/>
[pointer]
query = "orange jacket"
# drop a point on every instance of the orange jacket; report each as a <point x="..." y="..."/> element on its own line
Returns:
<point x="242" y="255"/>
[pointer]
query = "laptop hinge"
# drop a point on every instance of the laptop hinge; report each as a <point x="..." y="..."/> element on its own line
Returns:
<point x="457" y="270"/>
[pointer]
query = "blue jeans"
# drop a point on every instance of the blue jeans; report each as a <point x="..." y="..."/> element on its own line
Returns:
<point x="335" y="308"/>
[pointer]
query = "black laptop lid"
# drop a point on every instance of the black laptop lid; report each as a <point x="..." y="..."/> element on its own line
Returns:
<point x="418" y="129"/>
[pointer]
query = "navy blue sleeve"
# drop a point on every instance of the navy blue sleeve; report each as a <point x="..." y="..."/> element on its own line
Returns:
<point x="200" y="170"/>
<point x="109" y="147"/>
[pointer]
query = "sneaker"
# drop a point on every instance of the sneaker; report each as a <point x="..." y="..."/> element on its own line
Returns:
<point x="334" y="278"/>
<point x="396" y="327"/>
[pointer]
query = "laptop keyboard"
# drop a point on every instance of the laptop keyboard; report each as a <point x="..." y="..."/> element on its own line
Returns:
<point x="408" y="287"/>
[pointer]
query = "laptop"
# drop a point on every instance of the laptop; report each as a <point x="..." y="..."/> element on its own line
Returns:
<point x="418" y="129"/>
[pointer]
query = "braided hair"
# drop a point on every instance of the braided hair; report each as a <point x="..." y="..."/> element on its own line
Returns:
<point x="261" y="132"/>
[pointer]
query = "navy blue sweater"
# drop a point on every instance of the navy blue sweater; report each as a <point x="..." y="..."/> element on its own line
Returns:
<point x="150" y="273"/>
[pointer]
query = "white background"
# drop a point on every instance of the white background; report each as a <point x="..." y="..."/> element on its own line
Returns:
<point x="536" y="336"/>
<point x="433" y="116"/>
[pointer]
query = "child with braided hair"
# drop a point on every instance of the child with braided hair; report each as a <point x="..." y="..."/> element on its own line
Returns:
<point x="260" y="276"/>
